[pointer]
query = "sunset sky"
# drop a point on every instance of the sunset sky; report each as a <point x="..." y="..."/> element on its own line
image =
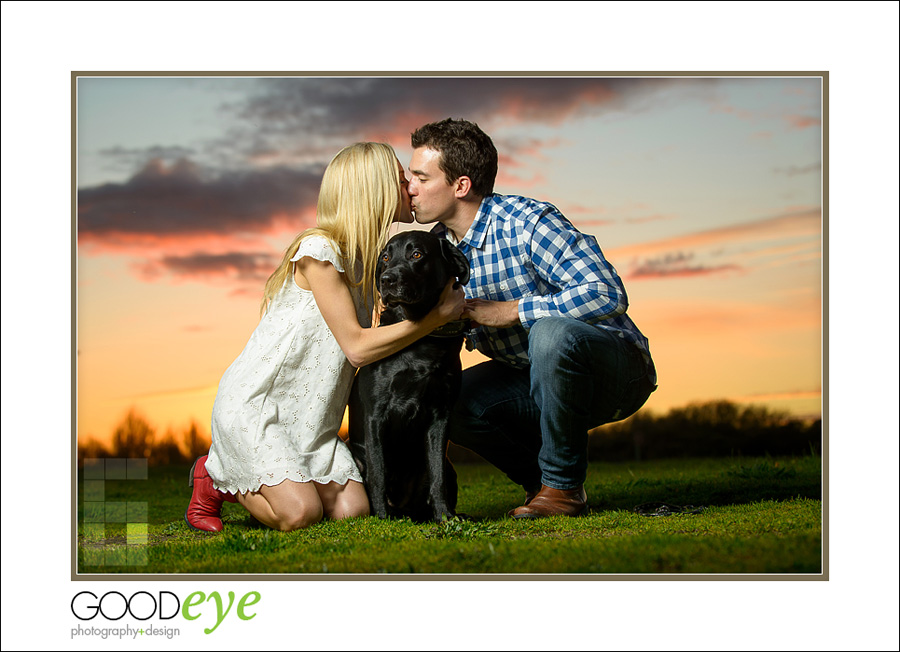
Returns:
<point x="704" y="192"/>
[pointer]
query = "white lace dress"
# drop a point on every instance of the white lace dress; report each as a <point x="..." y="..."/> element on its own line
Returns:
<point x="281" y="403"/>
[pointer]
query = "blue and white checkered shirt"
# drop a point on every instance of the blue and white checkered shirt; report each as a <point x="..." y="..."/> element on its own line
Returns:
<point x="521" y="248"/>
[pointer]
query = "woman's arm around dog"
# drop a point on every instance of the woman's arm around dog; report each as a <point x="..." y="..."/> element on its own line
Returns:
<point x="363" y="346"/>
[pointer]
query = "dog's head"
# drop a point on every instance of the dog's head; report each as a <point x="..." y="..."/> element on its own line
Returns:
<point x="414" y="268"/>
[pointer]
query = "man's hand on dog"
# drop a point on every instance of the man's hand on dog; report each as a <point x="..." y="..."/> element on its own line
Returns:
<point x="497" y="314"/>
<point x="451" y="305"/>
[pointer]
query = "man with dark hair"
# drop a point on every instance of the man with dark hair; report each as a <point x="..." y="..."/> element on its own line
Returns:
<point x="546" y="307"/>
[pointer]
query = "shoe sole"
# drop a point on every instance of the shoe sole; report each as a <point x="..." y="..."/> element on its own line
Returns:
<point x="196" y="529"/>
<point x="532" y="517"/>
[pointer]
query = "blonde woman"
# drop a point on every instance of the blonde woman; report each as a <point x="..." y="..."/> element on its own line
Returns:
<point x="275" y="446"/>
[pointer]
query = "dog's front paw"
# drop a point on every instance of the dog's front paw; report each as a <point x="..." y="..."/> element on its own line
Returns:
<point x="445" y="514"/>
<point x="380" y="513"/>
<point x="378" y="508"/>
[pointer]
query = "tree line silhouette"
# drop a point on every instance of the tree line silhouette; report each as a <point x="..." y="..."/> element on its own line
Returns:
<point x="134" y="437"/>
<point x="711" y="429"/>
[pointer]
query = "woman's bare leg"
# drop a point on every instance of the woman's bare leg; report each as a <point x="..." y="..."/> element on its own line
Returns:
<point x="343" y="501"/>
<point x="286" y="506"/>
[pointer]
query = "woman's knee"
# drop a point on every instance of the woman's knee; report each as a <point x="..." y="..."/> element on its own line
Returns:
<point x="352" y="508"/>
<point x="299" y="516"/>
<point x="352" y="501"/>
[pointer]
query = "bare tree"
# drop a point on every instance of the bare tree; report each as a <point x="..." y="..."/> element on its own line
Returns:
<point x="197" y="443"/>
<point x="133" y="437"/>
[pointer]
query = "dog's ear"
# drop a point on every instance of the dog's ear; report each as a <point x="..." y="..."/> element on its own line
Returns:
<point x="458" y="262"/>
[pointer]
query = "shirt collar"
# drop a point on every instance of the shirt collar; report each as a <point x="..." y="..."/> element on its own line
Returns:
<point x="478" y="231"/>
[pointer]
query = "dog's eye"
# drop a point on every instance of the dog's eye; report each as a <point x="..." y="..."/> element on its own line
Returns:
<point x="416" y="255"/>
<point x="385" y="258"/>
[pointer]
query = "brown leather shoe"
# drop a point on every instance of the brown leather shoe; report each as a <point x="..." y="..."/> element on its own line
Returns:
<point x="553" y="502"/>
<point x="529" y="496"/>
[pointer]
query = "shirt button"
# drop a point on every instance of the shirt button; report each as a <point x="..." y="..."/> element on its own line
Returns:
<point x="503" y="286"/>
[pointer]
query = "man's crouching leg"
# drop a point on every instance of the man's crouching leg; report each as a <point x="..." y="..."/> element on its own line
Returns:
<point x="581" y="377"/>
<point x="496" y="417"/>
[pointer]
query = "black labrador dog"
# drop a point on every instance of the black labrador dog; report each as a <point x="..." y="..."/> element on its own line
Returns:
<point x="400" y="405"/>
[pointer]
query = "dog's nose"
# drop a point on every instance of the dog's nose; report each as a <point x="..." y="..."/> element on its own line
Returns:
<point x="388" y="281"/>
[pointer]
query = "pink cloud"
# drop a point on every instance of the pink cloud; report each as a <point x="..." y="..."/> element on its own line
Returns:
<point x="804" y="223"/>
<point x="230" y="267"/>
<point x="585" y="224"/>
<point x="578" y="209"/>
<point x="507" y="180"/>
<point x="647" y="218"/>
<point x="742" y="114"/>
<point x="575" y="211"/>
<point x="803" y="121"/>
<point x="723" y="250"/>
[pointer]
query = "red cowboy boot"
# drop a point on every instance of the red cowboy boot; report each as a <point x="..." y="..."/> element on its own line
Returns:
<point x="205" y="509"/>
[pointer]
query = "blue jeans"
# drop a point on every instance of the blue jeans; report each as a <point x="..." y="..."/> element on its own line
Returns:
<point x="533" y="423"/>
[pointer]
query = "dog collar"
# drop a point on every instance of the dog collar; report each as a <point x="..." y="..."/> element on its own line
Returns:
<point x="451" y="329"/>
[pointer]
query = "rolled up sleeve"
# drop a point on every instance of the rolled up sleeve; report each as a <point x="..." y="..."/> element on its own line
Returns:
<point x="581" y="283"/>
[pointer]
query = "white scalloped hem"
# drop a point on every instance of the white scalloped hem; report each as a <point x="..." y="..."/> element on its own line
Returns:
<point x="236" y="489"/>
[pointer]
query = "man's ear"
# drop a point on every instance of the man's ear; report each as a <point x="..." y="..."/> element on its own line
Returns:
<point x="463" y="187"/>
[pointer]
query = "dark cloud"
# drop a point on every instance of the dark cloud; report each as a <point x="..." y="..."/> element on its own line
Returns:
<point x="266" y="169"/>
<point x="233" y="266"/>
<point x="301" y="120"/>
<point x="281" y="130"/>
<point x="135" y="158"/>
<point x="675" y="265"/>
<point x="270" y="162"/>
<point x="325" y="108"/>
<point x="182" y="199"/>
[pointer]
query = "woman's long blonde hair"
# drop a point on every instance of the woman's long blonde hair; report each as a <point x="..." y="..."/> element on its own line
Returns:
<point x="358" y="200"/>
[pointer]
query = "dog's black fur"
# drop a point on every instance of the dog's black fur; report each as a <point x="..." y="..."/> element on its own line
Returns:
<point x="400" y="405"/>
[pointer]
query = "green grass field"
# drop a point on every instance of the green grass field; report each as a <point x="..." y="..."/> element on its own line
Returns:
<point x="760" y="516"/>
